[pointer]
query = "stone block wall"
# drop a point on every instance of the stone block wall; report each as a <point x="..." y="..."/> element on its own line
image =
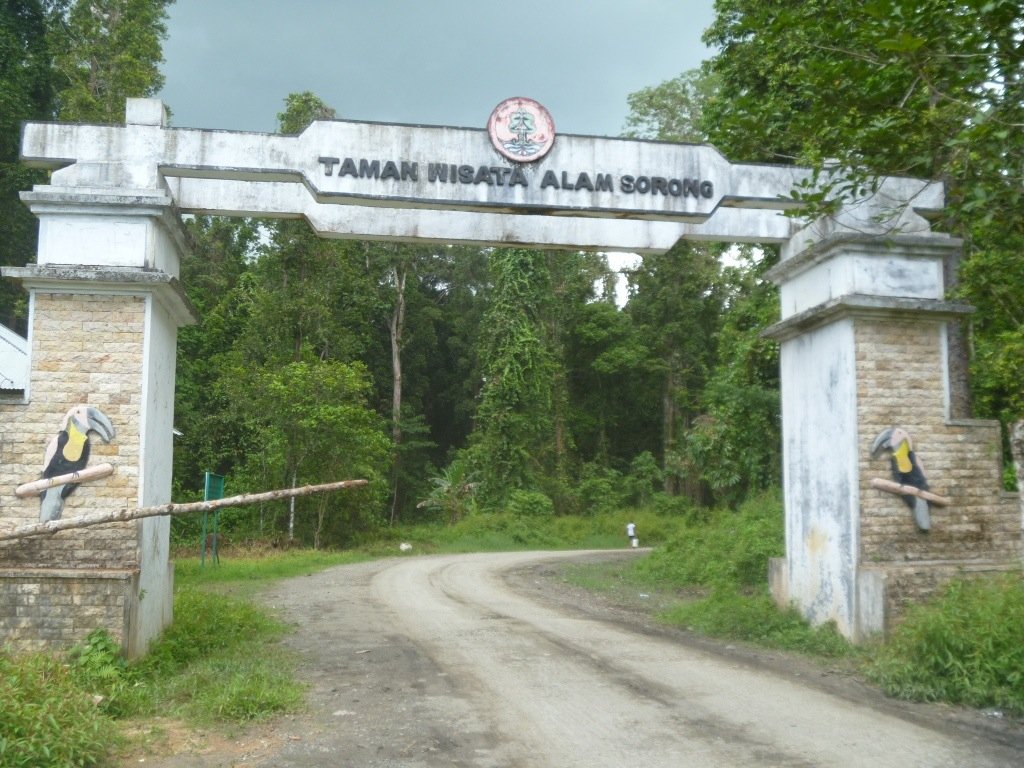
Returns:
<point x="51" y="608"/>
<point x="86" y="348"/>
<point x="914" y="584"/>
<point x="900" y="383"/>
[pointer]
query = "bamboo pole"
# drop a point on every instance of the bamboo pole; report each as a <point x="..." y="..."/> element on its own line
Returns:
<point x="36" y="487"/>
<point x="890" y="486"/>
<point x="171" y="509"/>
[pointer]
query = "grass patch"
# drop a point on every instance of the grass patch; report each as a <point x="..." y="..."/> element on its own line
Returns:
<point x="218" y="664"/>
<point x="755" y="618"/>
<point x="728" y="549"/>
<point x="965" y="647"/>
<point x="505" y="532"/>
<point x="46" y="718"/>
<point x="246" y="571"/>
<point x="719" y="561"/>
<point x="751" y="616"/>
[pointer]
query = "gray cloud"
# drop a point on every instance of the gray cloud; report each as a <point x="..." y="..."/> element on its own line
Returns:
<point x="230" y="64"/>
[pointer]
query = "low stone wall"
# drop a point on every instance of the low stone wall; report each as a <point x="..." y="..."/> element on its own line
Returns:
<point x="906" y="586"/>
<point x="55" y="609"/>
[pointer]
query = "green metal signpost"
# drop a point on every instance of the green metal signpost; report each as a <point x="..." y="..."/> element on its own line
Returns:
<point x="213" y="489"/>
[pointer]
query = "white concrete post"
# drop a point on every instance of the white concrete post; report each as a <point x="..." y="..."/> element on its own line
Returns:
<point x="105" y="306"/>
<point x="863" y="347"/>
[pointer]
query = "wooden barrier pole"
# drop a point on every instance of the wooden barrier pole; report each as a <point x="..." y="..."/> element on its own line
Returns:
<point x="171" y="509"/>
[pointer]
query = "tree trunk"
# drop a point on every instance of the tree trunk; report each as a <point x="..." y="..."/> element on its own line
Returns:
<point x="397" y="327"/>
<point x="668" y="432"/>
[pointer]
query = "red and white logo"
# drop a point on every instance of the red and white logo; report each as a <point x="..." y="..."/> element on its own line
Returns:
<point x="521" y="129"/>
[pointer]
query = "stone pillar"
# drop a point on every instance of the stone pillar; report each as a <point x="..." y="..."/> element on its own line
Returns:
<point x="105" y="306"/>
<point x="863" y="348"/>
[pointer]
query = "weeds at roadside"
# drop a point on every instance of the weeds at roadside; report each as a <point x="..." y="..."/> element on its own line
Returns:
<point x="218" y="663"/>
<point x="755" y="618"/>
<point x="46" y="718"/>
<point x="964" y="648"/>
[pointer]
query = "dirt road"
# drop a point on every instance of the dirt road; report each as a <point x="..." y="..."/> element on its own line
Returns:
<point x="439" y="661"/>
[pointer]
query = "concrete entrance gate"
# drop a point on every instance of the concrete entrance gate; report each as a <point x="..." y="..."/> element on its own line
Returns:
<point x="863" y="334"/>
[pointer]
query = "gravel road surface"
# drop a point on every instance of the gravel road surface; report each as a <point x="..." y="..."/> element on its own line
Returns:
<point x="488" y="661"/>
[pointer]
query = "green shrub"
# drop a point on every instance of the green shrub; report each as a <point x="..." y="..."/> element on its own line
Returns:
<point x="730" y="551"/>
<point x="966" y="647"/>
<point x="678" y="506"/>
<point x="498" y="531"/>
<point x="98" y="667"/>
<point x="46" y="719"/>
<point x="643" y="480"/>
<point x="572" y="530"/>
<point x="523" y="503"/>
<point x="600" y="490"/>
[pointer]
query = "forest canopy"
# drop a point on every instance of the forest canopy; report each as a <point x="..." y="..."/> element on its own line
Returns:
<point x="459" y="380"/>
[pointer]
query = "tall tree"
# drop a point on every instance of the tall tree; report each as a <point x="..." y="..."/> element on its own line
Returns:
<point x="894" y="86"/>
<point x="459" y="287"/>
<point x="307" y="288"/>
<point x="398" y="269"/>
<point x="574" y="276"/>
<point x="308" y="422"/>
<point x="615" y="386"/>
<point x="216" y="275"/>
<point x="675" y="302"/>
<point x="931" y="88"/>
<point x="734" y="444"/>
<point x="71" y="59"/>
<point x="512" y="439"/>
<point x="26" y="93"/>
<point x="672" y="110"/>
<point x="106" y="51"/>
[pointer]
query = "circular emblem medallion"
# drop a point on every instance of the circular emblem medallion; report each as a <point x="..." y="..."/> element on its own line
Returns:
<point x="521" y="129"/>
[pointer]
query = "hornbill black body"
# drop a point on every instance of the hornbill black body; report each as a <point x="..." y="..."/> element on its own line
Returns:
<point x="906" y="470"/>
<point x="69" y="452"/>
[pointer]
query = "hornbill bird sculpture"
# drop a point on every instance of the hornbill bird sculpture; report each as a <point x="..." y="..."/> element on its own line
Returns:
<point x="906" y="470"/>
<point x="68" y="452"/>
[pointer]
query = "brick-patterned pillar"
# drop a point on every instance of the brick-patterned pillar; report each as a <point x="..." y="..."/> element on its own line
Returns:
<point x="863" y="348"/>
<point x="104" y="310"/>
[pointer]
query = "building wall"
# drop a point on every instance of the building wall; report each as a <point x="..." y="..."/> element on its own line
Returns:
<point x="900" y="382"/>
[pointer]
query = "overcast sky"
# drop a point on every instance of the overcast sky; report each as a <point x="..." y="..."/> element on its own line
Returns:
<point x="230" y="63"/>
